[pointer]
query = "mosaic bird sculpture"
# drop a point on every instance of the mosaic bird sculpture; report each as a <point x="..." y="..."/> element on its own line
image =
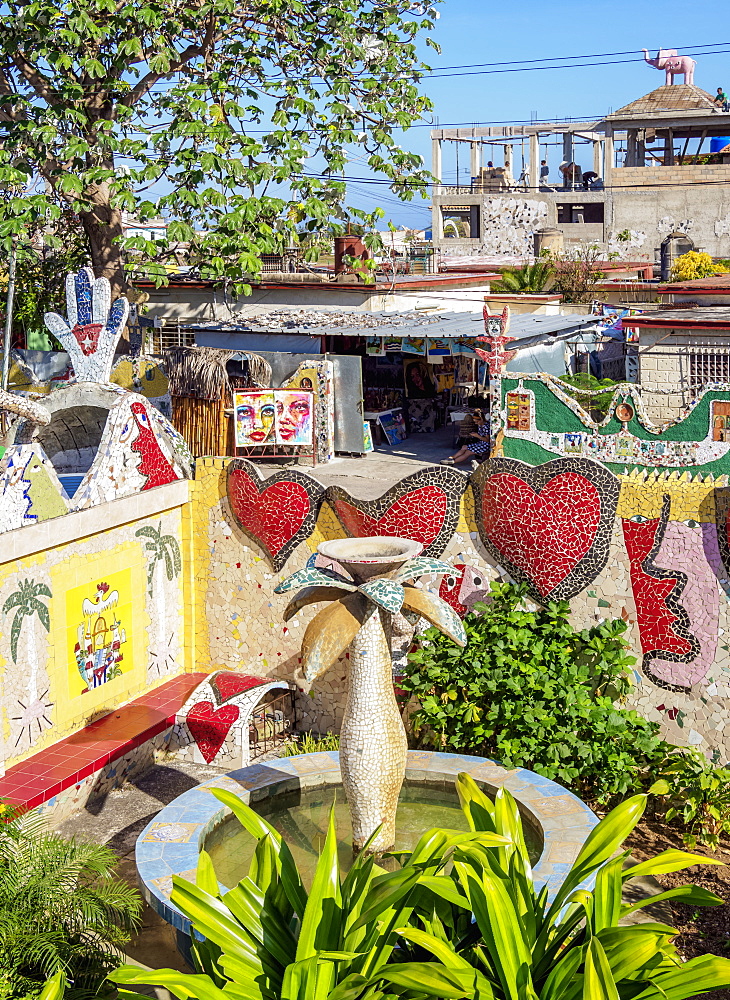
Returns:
<point x="358" y="616"/>
<point x="94" y="325"/>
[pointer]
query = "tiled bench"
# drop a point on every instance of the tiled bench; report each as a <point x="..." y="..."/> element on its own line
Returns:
<point x="66" y="765"/>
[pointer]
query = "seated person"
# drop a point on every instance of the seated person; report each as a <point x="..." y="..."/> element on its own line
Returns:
<point x="721" y="100"/>
<point x="479" y="443"/>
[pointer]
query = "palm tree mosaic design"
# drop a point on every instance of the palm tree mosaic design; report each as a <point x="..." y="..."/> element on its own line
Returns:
<point x="163" y="551"/>
<point x="358" y="617"/>
<point x="27" y="604"/>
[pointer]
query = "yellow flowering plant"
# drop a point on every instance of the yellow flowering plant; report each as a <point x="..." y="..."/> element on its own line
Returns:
<point x="693" y="265"/>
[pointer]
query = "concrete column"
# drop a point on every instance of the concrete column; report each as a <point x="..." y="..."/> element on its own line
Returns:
<point x="508" y="159"/>
<point x="598" y="157"/>
<point x="640" y="152"/>
<point x="568" y="146"/>
<point x="608" y="157"/>
<point x="534" y="170"/>
<point x="474" y="158"/>
<point x="436" y="164"/>
<point x="631" y="148"/>
<point x="669" y="149"/>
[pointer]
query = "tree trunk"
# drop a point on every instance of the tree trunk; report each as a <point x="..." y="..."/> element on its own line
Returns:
<point x="103" y="227"/>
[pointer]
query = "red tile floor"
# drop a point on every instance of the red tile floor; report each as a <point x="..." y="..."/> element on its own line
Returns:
<point x="61" y="765"/>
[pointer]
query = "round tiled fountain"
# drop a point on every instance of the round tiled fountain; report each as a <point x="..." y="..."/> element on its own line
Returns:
<point x="556" y="821"/>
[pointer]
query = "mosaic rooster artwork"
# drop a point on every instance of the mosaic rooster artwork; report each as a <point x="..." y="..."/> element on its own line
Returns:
<point x="375" y="581"/>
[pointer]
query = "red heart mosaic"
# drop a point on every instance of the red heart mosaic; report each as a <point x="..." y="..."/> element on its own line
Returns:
<point x="423" y="507"/>
<point x="228" y="684"/>
<point x="278" y="512"/>
<point x="549" y="526"/>
<point x="209" y="728"/>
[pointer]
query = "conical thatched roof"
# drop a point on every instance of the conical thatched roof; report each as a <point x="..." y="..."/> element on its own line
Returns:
<point x="198" y="371"/>
<point x="678" y="98"/>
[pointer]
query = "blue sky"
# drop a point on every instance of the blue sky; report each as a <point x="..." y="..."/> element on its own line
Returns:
<point x="472" y="32"/>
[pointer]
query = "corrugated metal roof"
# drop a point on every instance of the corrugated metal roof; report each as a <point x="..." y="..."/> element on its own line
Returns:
<point x="323" y="322"/>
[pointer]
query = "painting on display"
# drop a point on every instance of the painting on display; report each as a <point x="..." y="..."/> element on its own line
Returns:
<point x="293" y="420"/>
<point x="419" y="381"/>
<point x="394" y="426"/>
<point x="255" y="413"/>
<point x="274" y="416"/>
<point x="97" y="617"/>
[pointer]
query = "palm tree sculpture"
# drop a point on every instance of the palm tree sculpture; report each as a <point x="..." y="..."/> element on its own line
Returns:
<point x="373" y="741"/>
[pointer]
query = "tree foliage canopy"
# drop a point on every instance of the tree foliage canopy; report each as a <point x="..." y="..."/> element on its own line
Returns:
<point x="241" y="112"/>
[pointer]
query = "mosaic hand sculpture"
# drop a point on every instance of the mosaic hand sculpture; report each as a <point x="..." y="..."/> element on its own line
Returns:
<point x="94" y="325"/>
<point x="373" y="742"/>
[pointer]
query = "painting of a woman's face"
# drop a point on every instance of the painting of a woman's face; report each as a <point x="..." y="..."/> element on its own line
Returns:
<point x="293" y="417"/>
<point x="254" y="418"/>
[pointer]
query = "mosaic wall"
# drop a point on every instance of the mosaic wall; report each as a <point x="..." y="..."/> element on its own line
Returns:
<point x="540" y="421"/>
<point x="139" y="450"/>
<point x="88" y="625"/>
<point x="651" y="548"/>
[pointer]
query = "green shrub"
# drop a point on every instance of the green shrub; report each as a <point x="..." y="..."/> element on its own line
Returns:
<point x="61" y="911"/>
<point x="462" y="920"/>
<point x="597" y="405"/>
<point x="531" y="691"/>
<point x="310" y="743"/>
<point x="698" y="794"/>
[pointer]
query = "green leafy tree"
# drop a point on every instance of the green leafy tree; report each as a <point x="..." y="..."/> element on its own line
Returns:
<point x="531" y="278"/>
<point x="597" y="404"/>
<point x="531" y="691"/>
<point x="61" y="910"/>
<point x="40" y="281"/>
<point x="462" y="920"/>
<point x="577" y="271"/>
<point x="244" y="113"/>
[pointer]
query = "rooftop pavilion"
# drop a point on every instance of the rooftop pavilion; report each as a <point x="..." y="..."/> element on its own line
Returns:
<point x="670" y="147"/>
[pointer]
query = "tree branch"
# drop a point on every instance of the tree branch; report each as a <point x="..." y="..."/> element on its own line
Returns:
<point x="191" y="52"/>
<point x="36" y="79"/>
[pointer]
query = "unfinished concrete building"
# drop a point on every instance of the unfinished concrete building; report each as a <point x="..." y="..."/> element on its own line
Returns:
<point x="659" y="165"/>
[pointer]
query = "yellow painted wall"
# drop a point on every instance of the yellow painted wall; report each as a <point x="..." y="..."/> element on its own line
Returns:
<point x="44" y="696"/>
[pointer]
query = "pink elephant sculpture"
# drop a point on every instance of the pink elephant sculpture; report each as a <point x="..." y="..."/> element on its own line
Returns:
<point x="672" y="64"/>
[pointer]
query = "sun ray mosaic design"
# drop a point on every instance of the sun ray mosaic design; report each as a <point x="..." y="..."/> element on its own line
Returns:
<point x="98" y="615"/>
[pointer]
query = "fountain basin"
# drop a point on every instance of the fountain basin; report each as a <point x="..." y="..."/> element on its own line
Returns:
<point x="557" y="820"/>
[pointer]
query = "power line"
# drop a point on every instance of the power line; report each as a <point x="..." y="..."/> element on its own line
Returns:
<point x="471" y="69"/>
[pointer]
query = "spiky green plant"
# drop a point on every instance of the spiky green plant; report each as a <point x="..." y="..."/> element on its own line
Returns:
<point x="531" y="278"/>
<point x="62" y="910"/>
<point x="461" y="920"/>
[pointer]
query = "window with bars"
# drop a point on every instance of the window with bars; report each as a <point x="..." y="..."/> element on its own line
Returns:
<point x="708" y="366"/>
